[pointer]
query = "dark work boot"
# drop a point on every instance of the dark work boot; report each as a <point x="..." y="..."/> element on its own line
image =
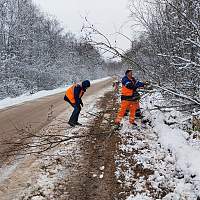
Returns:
<point x="138" y="114"/>
<point x="134" y="125"/>
<point x="117" y="126"/>
<point x="72" y="124"/>
<point x="78" y="124"/>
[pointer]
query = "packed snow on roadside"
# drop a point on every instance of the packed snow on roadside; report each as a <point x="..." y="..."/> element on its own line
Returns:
<point x="7" y="102"/>
<point x="162" y="160"/>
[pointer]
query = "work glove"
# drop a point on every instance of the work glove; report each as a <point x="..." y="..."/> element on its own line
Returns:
<point x="136" y="96"/>
<point x="146" y="83"/>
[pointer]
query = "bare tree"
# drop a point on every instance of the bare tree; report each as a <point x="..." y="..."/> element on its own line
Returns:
<point x="170" y="45"/>
<point x="36" y="54"/>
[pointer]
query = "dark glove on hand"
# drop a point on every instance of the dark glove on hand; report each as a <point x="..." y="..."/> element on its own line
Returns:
<point x="81" y="103"/>
<point x="146" y="83"/>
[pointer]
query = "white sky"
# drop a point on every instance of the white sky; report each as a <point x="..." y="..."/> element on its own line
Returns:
<point x="109" y="16"/>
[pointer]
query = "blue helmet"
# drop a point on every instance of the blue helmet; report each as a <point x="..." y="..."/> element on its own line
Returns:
<point x="86" y="84"/>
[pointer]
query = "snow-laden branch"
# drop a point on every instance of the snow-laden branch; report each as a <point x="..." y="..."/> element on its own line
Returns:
<point x="193" y="42"/>
<point x="180" y="58"/>
<point x="177" y="94"/>
<point x="90" y="29"/>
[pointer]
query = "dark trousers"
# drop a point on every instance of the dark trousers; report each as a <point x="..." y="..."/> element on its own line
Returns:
<point x="75" y="113"/>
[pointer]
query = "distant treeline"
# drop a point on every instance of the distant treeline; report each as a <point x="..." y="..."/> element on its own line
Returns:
<point x="36" y="53"/>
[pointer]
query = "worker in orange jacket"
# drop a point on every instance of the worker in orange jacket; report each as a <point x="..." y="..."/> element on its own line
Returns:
<point x="129" y="98"/>
<point x="73" y="96"/>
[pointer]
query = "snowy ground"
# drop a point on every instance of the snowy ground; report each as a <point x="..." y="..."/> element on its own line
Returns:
<point x="161" y="161"/>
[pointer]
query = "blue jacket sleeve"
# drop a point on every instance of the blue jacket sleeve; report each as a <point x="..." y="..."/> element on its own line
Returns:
<point x="77" y="91"/>
<point x="138" y="84"/>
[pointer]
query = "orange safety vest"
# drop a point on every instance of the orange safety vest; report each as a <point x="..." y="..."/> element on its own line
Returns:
<point x="127" y="92"/>
<point x="70" y="93"/>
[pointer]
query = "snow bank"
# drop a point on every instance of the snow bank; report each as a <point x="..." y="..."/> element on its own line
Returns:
<point x="138" y="197"/>
<point x="175" y="140"/>
<point x="100" y="80"/>
<point x="161" y="161"/>
<point x="172" y="138"/>
<point x="180" y="144"/>
<point x="30" y="97"/>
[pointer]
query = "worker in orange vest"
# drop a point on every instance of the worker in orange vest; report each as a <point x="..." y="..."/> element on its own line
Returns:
<point x="129" y="98"/>
<point x="73" y="96"/>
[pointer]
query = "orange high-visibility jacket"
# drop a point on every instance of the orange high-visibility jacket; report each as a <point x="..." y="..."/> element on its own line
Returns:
<point x="126" y="91"/>
<point x="70" y="93"/>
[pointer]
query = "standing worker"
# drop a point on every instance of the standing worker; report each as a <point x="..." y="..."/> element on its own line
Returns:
<point x="129" y="98"/>
<point x="116" y="86"/>
<point x="73" y="96"/>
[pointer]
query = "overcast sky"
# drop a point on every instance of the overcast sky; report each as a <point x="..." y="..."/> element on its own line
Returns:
<point x="109" y="16"/>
